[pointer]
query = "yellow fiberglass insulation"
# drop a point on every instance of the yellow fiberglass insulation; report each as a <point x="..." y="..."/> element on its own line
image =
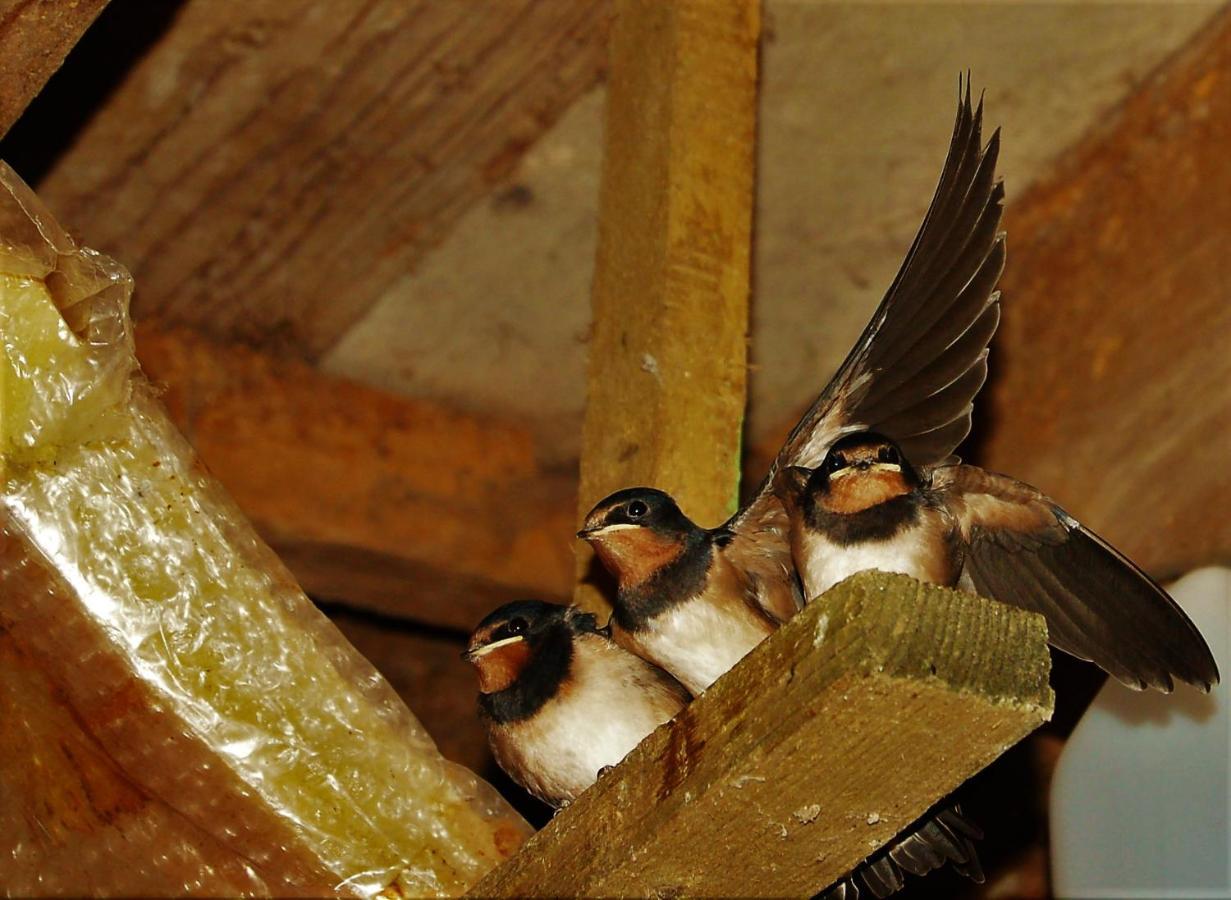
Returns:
<point x="179" y="640"/>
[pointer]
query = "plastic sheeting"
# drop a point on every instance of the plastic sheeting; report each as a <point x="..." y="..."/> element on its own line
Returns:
<point x="181" y="644"/>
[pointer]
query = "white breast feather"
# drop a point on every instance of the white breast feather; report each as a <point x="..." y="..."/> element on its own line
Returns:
<point x="612" y="701"/>
<point x="824" y="563"/>
<point x="698" y="641"/>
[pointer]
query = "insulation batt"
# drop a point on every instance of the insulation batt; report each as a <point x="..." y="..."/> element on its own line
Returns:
<point x="182" y="645"/>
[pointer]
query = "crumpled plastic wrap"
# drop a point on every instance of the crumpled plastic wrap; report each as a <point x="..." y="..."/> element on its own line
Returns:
<point x="181" y="644"/>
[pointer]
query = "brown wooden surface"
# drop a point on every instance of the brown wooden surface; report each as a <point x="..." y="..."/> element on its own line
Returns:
<point x="269" y="168"/>
<point x="670" y="298"/>
<point x="393" y="504"/>
<point x="1112" y="386"/>
<point x="35" y="36"/>
<point x="833" y="735"/>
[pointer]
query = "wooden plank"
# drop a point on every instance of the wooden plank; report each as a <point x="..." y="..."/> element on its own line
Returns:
<point x="670" y="301"/>
<point x="393" y="504"/>
<point x="268" y="169"/>
<point x="1113" y="363"/>
<point x="826" y="741"/>
<point x="35" y="37"/>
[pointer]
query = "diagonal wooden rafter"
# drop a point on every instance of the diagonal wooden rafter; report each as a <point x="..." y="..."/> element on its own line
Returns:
<point x="1110" y="369"/>
<point x="387" y="503"/>
<point x="35" y="37"/>
<point x="1114" y="357"/>
<point x="268" y="169"/>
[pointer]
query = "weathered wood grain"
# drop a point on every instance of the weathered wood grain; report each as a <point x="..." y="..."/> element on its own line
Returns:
<point x="824" y="743"/>
<point x="35" y="37"/>
<point x="269" y="168"/>
<point x="389" y="503"/>
<point x="1112" y="388"/>
<point x="668" y="353"/>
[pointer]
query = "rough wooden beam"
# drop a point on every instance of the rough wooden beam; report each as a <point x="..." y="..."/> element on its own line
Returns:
<point x="392" y="504"/>
<point x="825" y="742"/>
<point x="35" y="37"/>
<point x="670" y="299"/>
<point x="1114" y="357"/>
<point x="271" y="167"/>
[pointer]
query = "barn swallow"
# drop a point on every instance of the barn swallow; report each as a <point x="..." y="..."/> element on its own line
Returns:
<point x="561" y="702"/>
<point x="694" y="600"/>
<point x="867" y="507"/>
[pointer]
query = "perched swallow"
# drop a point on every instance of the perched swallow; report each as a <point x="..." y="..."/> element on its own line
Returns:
<point x="560" y="700"/>
<point x="867" y="507"/>
<point x="694" y="600"/>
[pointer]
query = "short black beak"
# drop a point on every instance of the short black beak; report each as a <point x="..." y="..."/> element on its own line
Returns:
<point x="585" y="533"/>
<point x="863" y="464"/>
<point x="467" y="655"/>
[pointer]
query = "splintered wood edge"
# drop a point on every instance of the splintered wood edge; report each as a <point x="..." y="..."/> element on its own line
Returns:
<point x="833" y="735"/>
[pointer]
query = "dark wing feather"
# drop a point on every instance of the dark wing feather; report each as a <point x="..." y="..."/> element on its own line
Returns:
<point x="1024" y="550"/>
<point x="939" y="838"/>
<point x="921" y="359"/>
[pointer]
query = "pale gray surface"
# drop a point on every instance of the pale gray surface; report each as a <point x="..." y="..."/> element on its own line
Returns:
<point x="857" y="107"/>
<point x="1141" y="798"/>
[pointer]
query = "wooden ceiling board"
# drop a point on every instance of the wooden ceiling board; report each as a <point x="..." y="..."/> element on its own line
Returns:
<point x="268" y="169"/>
<point x="857" y="102"/>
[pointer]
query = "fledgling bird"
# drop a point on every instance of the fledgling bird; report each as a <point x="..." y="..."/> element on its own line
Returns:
<point x="560" y="700"/>
<point x="867" y="507"/>
<point x="694" y="600"/>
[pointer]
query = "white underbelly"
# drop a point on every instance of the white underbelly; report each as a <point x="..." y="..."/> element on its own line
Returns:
<point x="698" y="641"/>
<point x="594" y="723"/>
<point x="574" y="752"/>
<point x="825" y="562"/>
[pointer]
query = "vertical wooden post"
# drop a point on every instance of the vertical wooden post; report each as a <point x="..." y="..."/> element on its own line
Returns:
<point x="670" y="298"/>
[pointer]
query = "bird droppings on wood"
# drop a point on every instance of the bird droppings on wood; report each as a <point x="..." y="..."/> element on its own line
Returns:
<point x="806" y="815"/>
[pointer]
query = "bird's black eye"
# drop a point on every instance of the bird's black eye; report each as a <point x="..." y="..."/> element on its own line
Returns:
<point x="834" y="462"/>
<point x="516" y="626"/>
<point x="637" y="509"/>
<point x="888" y="455"/>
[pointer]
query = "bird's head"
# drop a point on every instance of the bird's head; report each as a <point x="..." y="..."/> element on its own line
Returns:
<point x="520" y="635"/>
<point x="637" y="531"/>
<point x="861" y="470"/>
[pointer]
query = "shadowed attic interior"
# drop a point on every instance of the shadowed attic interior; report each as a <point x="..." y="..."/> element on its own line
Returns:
<point x="405" y="196"/>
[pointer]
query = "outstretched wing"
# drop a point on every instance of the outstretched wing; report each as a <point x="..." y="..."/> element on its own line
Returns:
<point x="923" y="356"/>
<point x="1024" y="550"/>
